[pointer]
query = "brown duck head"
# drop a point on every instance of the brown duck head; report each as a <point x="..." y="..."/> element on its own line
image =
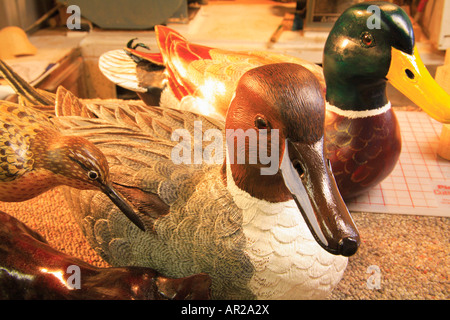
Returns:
<point x="275" y="136"/>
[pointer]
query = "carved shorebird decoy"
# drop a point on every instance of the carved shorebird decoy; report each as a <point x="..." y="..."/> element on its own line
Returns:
<point x="35" y="157"/>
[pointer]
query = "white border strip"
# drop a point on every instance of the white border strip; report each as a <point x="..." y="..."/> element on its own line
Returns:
<point x="354" y="114"/>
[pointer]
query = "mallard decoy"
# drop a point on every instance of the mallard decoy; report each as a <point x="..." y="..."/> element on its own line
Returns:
<point x="284" y="235"/>
<point x="31" y="269"/>
<point x="362" y="133"/>
<point x="35" y="157"/>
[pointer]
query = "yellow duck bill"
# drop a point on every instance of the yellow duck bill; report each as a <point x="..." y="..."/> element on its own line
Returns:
<point x="409" y="75"/>
<point x="308" y="177"/>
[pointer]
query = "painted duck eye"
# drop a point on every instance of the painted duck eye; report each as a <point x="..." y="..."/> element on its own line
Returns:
<point x="367" y="39"/>
<point x="93" y="175"/>
<point x="261" y="123"/>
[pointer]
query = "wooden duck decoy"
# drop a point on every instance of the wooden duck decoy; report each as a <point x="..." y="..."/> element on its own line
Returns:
<point x="30" y="269"/>
<point x="284" y="235"/>
<point x="35" y="157"/>
<point x="362" y="133"/>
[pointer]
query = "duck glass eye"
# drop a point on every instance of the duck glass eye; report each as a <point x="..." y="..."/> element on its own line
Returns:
<point x="261" y="123"/>
<point x="367" y="39"/>
<point x="92" y="175"/>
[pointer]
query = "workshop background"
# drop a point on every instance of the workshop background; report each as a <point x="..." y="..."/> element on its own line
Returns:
<point x="404" y="223"/>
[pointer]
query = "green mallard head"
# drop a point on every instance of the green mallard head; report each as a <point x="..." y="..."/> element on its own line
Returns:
<point x="371" y="43"/>
<point x="357" y="54"/>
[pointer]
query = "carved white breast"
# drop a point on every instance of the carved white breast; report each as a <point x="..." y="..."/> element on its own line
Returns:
<point x="289" y="263"/>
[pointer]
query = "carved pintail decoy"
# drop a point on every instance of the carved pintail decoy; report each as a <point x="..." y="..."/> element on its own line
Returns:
<point x="35" y="157"/>
<point x="280" y="235"/>
<point x="362" y="133"/>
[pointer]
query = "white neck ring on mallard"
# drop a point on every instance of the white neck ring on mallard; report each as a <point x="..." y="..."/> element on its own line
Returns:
<point x="356" y="114"/>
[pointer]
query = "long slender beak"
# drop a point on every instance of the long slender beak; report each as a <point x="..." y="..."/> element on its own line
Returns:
<point x="123" y="205"/>
<point x="409" y="75"/>
<point x="308" y="177"/>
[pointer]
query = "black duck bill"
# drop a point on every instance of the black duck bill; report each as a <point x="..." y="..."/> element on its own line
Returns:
<point x="122" y="204"/>
<point x="307" y="175"/>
